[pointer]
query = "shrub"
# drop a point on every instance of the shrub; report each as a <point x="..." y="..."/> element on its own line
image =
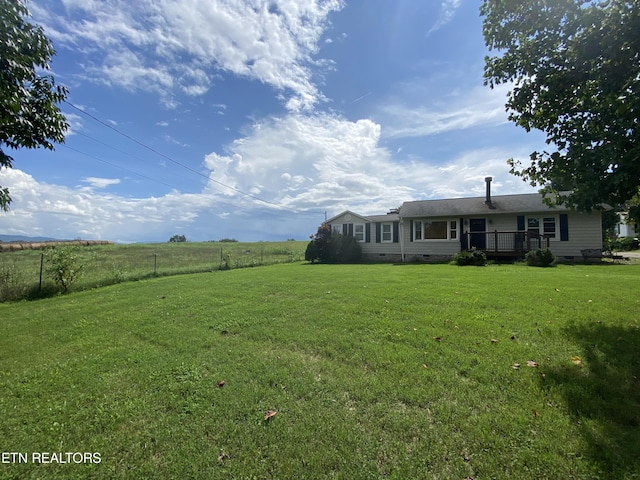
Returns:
<point x="541" y="257"/>
<point x="328" y="247"/>
<point x="473" y="257"/>
<point x="311" y="253"/>
<point x="624" y="244"/>
<point x="178" y="238"/>
<point x="64" y="265"/>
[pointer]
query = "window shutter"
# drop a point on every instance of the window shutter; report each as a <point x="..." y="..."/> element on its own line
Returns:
<point x="367" y="233"/>
<point x="396" y="231"/>
<point x="411" y="230"/>
<point x="461" y="234"/>
<point x="345" y="229"/>
<point x="351" y="229"/>
<point x="520" y="222"/>
<point x="378" y="236"/>
<point x="564" y="227"/>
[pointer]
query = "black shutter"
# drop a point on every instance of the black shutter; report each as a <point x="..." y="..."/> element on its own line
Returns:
<point x="378" y="236"/>
<point x="396" y="231"/>
<point x="520" y="222"/>
<point x="564" y="227"/>
<point x="367" y="233"/>
<point x="463" y="236"/>
<point x="345" y="230"/>
<point x="411" y="230"/>
<point x="351" y="229"/>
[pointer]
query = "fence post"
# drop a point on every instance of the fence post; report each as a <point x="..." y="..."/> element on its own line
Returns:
<point x="155" y="262"/>
<point x="41" y="265"/>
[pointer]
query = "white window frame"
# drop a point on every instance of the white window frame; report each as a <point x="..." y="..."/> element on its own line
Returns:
<point x="451" y="223"/>
<point x="417" y="230"/>
<point x="356" y="234"/>
<point x="541" y="223"/>
<point x="383" y="233"/>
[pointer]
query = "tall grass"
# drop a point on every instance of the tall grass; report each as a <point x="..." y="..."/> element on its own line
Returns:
<point x="109" y="264"/>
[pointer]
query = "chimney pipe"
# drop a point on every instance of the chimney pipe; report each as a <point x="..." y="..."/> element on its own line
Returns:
<point x="488" y="197"/>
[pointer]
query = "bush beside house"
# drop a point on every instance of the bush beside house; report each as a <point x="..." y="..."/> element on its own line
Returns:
<point x="473" y="257"/>
<point x="328" y="247"/>
<point x="542" y="257"/>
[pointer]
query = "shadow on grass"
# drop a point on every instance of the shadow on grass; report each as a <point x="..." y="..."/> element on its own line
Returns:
<point x="604" y="395"/>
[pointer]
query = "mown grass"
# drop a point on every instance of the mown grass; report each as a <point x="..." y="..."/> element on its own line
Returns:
<point x="110" y="264"/>
<point x="376" y="371"/>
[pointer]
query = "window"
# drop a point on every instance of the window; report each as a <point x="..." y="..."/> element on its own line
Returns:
<point x="549" y="226"/>
<point x="546" y="226"/>
<point x="435" y="230"/>
<point x="336" y="229"/>
<point x="453" y="230"/>
<point x="358" y="232"/>
<point x="387" y="232"/>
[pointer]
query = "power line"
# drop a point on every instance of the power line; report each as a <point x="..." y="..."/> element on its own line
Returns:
<point x="175" y="161"/>
<point x="218" y="200"/>
<point x="114" y="165"/>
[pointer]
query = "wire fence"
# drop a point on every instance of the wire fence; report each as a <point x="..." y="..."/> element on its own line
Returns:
<point x="25" y="274"/>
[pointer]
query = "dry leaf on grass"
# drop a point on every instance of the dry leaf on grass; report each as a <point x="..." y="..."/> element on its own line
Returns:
<point x="269" y="414"/>
<point x="221" y="383"/>
<point x="531" y="363"/>
<point x="577" y="360"/>
<point x="437" y="339"/>
<point x="515" y="366"/>
<point x="494" y="340"/>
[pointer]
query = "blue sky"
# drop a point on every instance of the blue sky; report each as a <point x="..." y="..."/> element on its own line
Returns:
<point x="251" y="119"/>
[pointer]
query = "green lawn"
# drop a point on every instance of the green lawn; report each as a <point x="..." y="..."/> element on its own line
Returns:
<point x="375" y="371"/>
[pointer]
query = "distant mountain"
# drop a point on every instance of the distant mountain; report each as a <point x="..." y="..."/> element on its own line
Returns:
<point x="24" y="238"/>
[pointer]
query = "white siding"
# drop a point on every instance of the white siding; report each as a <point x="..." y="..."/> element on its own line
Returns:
<point x="585" y="232"/>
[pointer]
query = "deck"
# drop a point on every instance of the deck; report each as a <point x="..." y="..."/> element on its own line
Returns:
<point x="505" y="244"/>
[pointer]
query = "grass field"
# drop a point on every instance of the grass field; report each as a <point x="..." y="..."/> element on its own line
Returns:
<point x="374" y="371"/>
<point x="110" y="264"/>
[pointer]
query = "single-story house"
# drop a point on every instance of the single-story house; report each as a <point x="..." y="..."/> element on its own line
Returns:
<point x="501" y="226"/>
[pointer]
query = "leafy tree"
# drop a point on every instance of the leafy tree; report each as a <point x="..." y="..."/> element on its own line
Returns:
<point x="634" y="210"/>
<point x="29" y="116"/>
<point x="575" y="70"/>
<point x="178" y="238"/>
<point x="64" y="265"/>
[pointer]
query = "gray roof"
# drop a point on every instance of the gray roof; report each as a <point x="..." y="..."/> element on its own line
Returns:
<point x="389" y="217"/>
<point x="523" y="203"/>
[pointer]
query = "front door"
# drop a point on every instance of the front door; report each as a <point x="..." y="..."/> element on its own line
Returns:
<point x="478" y="240"/>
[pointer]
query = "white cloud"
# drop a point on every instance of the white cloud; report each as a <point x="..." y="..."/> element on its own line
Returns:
<point x="164" y="46"/>
<point x="101" y="182"/>
<point x="328" y="162"/>
<point x="480" y="106"/>
<point x="448" y="10"/>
